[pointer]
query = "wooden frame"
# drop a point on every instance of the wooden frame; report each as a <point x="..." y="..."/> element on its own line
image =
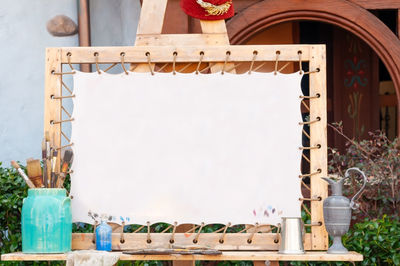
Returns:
<point x="314" y="54"/>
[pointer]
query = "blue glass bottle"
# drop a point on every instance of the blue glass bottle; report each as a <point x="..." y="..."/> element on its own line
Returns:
<point x="103" y="236"/>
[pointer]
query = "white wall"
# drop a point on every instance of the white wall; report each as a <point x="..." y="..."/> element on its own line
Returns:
<point x="23" y="38"/>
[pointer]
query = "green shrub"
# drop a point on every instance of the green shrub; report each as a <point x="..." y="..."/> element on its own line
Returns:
<point x="378" y="240"/>
<point x="12" y="190"/>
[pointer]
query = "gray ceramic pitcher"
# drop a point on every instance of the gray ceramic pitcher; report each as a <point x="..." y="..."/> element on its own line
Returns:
<point x="337" y="211"/>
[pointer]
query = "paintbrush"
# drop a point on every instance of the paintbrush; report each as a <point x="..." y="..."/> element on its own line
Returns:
<point x="44" y="156"/>
<point x="34" y="172"/>
<point x="66" y="161"/>
<point x="53" y="168"/>
<point x="48" y="157"/>
<point x="48" y="149"/>
<point x="22" y="173"/>
<point x="48" y="163"/>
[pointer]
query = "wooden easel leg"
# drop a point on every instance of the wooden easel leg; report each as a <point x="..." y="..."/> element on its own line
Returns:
<point x="217" y="26"/>
<point x="181" y="229"/>
<point x="266" y="263"/>
<point x="183" y="263"/>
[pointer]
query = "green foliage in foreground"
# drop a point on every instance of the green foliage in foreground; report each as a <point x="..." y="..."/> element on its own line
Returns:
<point x="12" y="190"/>
<point x="378" y="240"/>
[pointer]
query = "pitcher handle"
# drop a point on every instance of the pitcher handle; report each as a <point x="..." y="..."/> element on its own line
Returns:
<point x="353" y="204"/>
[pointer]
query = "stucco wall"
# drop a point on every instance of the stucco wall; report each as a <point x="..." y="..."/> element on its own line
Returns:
<point x="23" y="38"/>
<point x="114" y="22"/>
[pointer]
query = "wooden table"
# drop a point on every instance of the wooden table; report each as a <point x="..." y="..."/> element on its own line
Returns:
<point x="225" y="256"/>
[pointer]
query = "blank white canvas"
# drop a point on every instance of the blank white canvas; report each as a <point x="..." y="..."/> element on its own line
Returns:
<point x="186" y="148"/>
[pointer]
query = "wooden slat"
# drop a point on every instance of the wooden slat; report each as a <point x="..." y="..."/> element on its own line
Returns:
<point x="150" y="22"/>
<point x="232" y="241"/>
<point x="52" y="107"/>
<point x="227" y="255"/>
<point x="180" y="39"/>
<point x="378" y="4"/>
<point x="217" y="27"/>
<point x="216" y="31"/>
<point x="164" y="54"/>
<point x="151" y="17"/>
<point x="214" y="26"/>
<point x="262" y="263"/>
<point x="318" y="157"/>
<point x="181" y="229"/>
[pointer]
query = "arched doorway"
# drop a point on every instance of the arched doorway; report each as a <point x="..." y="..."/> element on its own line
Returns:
<point x="341" y="13"/>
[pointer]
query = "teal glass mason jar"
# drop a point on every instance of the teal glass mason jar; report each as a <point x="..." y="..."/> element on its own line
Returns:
<point x="46" y="221"/>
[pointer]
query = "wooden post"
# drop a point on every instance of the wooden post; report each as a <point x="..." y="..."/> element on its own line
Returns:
<point x="217" y="27"/>
<point x="265" y="263"/>
<point x="319" y="157"/>
<point x="52" y="107"/>
<point x="150" y="22"/>
<point x="84" y="29"/>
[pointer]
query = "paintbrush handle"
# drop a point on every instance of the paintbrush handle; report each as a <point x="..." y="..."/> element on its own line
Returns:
<point x="53" y="169"/>
<point x="64" y="167"/>
<point x="53" y="180"/>
<point x="48" y="166"/>
<point x="53" y="164"/>
<point x="26" y="178"/>
<point x="22" y="173"/>
<point x="37" y="181"/>
<point x="45" y="179"/>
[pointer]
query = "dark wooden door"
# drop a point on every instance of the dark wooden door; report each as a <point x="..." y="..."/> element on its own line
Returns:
<point x="355" y="86"/>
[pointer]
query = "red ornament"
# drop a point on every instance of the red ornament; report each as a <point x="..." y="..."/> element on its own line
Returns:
<point x="208" y="9"/>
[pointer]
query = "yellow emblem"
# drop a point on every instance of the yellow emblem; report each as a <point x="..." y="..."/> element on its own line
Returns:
<point x="214" y="10"/>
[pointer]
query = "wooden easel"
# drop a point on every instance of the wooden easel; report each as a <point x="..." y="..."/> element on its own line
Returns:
<point x="214" y="43"/>
<point x="149" y="33"/>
